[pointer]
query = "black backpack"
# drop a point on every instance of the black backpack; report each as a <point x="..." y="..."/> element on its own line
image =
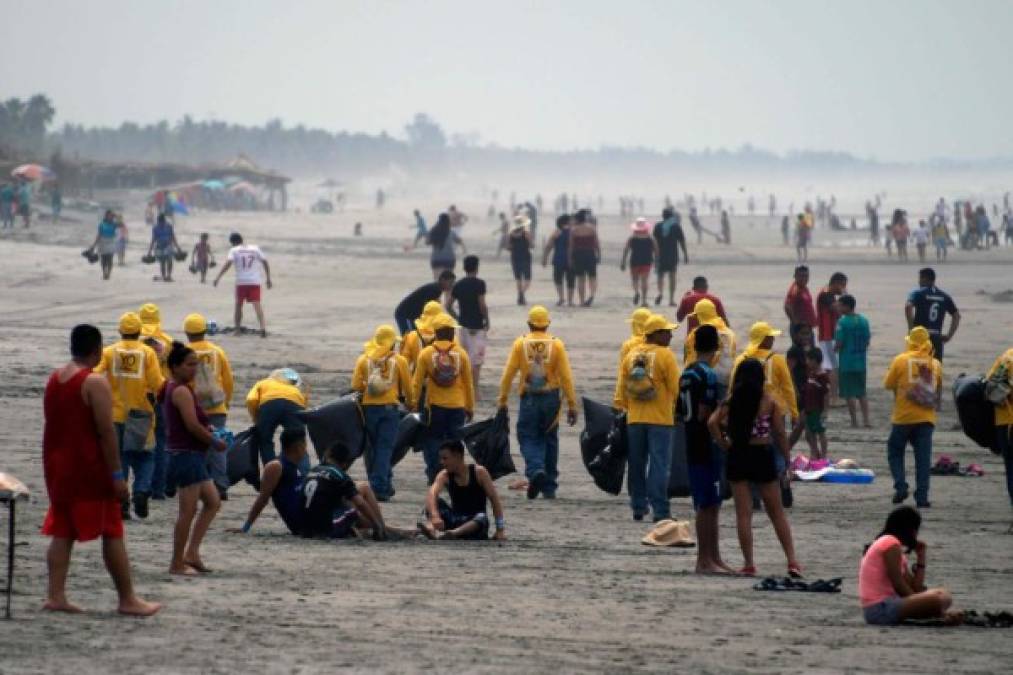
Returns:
<point x="977" y="414"/>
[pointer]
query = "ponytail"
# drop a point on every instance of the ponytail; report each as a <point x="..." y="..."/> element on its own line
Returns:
<point x="178" y="354"/>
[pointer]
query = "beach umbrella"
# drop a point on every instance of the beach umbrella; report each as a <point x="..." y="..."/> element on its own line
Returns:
<point x="33" y="172"/>
<point x="214" y="184"/>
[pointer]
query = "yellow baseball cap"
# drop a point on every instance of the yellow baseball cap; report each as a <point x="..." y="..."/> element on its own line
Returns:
<point x="918" y="337"/>
<point x="704" y="311"/>
<point x="150" y="314"/>
<point x="130" y="324"/>
<point x="442" y="321"/>
<point x="658" y="322"/>
<point x="539" y="317"/>
<point x="638" y="318"/>
<point x="383" y="340"/>
<point x="430" y="310"/>
<point x="194" y="324"/>
<point x="760" y="331"/>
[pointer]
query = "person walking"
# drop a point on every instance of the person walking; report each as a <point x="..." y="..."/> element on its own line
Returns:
<point x="670" y="237"/>
<point x="520" y="243"/>
<point x="649" y="387"/>
<point x="105" y="243"/>
<point x="827" y="314"/>
<point x="252" y="271"/>
<point x="915" y="378"/>
<point x="558" y="246"/>
<point x="928" y="306"/>
<point x="164" y="246"/>
<point x="85" y="482"/>
<point x="687" y="306"/>
<point x="213" y="386"/>
<point x="641" y="251"/>
<point x="798" y="302"/>
<point x="583" y="256"/>
<point x="381" y="377"/>
<point x="541" y="361"/>
<point x="468" y="295"/>
<point x="444" y="239"/>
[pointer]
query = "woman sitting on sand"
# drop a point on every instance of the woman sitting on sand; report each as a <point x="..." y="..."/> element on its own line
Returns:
<point x="888" y="589"/>
<point x="750" y="427"/>
<point x="188" y="435"/>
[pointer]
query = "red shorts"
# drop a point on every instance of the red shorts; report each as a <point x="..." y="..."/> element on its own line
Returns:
<point x="84" y="521"/>
<point x="248" y="293"/>
<point x="640" y="270"/>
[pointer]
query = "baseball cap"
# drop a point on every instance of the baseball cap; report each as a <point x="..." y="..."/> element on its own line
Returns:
<point x="442" y="321"/>
<point x="539" y="317"/>
<point x="760" y="331"/>
<point x="704" y="311"/>
<point x="638" y="318"/>
<point x="383" y="340"/>
<point x="194" y="324"/>
<point x="130" y="324"/>
<point x="150" y="314"/>
<point x="658" y="322"/>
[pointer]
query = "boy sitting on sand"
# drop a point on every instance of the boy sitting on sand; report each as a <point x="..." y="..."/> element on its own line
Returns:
<point x="470" y="488"/>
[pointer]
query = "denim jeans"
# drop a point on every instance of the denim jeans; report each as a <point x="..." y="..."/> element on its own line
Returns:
<point x="381" y="430"/>
<point x="161" y="457"/>
<point x="650" y="458"/>
<point x="1005" y="444"/>
<point x="444" y="424"/>
<point x="140" y="462"/>
<point x="216" y="461"/>
<point x="538" y="436"/>
<point x="271" y="415"/>
<point x="920" y="438"/>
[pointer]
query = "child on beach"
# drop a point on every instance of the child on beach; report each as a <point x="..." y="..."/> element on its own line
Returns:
<point x="889" y="590"/>
<point x="921" y="237"/>
<point x="641" y="251"/>
<point x="941" y="238"/>
<point x="851" y="340"/>
<point x="200" y="259"/>
<point x="814" y="399"/>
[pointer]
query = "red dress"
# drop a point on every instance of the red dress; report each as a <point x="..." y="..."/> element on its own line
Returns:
<point x="82" y="501"/>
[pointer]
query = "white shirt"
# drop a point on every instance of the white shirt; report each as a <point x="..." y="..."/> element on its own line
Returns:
<point x="921" y="235"/>
<point x="248" y="261"/>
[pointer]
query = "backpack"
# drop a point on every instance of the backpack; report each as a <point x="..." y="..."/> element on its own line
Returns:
<point x="209" y="393"/>
<point x="639" y="384"/>
<point x="377" y="383"/>
<point x="446" y="367"/>
<point x="997" y="386"/>
<point x="923" y="389"/>
<point x="538" y="354"/>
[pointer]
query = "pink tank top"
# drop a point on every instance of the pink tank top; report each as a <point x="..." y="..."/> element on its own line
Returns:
<point x="874" y="585"/>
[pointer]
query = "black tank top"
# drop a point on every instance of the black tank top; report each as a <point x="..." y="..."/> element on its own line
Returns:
<point x="641" y="251"/>
<point x="467" y="500"/>
<point x="519" y="249"/>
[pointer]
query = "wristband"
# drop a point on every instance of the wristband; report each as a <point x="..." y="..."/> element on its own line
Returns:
<point x="500" y="523"/>
<point x="118" y="475"/>
<point x="246" y="526"/>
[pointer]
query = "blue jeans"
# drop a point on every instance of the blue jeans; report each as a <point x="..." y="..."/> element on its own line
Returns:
<point x="920" y="438"/>
<point x="650" y="459"/>
<point x="161" y="468"/>
<point x="140" y="462"/>
<point x="271" y="415"/>
<point x="381" y="430"/>
<point x="538" y="435"/>
<point x="1005" y="445"/>
<point x="216" y="461"/>
<point x="444" y="424"/>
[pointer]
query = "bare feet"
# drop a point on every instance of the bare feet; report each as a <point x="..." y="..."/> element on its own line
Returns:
<point x="519" y="484"/>
<point x="138" y="607"/>
<point x="428" y="530"/>
<point x="184" y="571"/>
<point x="62" y="606"/>
<point x="712" y="569"/>
<point x="197" y="564"/>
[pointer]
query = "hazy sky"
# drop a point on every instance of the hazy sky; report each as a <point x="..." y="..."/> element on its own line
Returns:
<point x="893" y="79"/>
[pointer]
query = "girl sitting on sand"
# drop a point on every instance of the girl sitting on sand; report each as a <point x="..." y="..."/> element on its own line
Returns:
<point x="888" y="589"/>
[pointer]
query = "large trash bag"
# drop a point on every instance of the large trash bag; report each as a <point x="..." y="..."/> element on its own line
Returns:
<point x="241" y="459"/>
<point x="409" y="432"/>
<point x="678" y="475"/>
<point x="488" y="442"/>
<point x="338" y="420"/>
<point x="603" y="446"/>
<point x="977" y="414"/>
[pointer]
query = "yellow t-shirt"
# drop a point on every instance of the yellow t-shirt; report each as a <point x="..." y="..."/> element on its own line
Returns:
<point x="724" y="358"/>
<point x="630" y="343"/>
<point x="1004" y="413"/>
<point x="904" y="374"/>
<point x="270" y="389"/>
<point x="391" y="370"/>
<point x="777" y="383"/>
<point x="133" y="373"/>
<point x="533" y="352"/>
<point x="664" y="374"/>
<point x="460" y="394"/>
<point x="215" y="358"/>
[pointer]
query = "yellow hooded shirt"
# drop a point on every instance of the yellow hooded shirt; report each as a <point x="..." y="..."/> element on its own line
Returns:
<point x="1004" y="413"/>
<point x="460" y="394"/>
<point x="778" y="383"/>
<point x="663" y="371"/>
<point x="133" y="372"/>
<point x="392" y="368"/>
<point x="270" y="389"/>
<point x="217" y="361"/>
<point x="904" y="374"/>
<point x="538" y="347"/>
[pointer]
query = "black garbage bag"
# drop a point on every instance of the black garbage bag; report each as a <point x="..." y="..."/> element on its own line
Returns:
<point x="409" y="432"/>
<point x="338" y="420"/>
<point x="242" y="457"/>
<point x="976" y="412"/>
<point x="603" y="446"/>
<point x="488" y="442"/>
<point x="678" y="475"/>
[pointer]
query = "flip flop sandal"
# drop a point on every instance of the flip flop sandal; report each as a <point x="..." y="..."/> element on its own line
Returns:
<point x="795" y="571"/>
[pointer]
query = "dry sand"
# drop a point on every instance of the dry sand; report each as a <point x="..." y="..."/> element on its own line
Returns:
<point x="572" y="589"/>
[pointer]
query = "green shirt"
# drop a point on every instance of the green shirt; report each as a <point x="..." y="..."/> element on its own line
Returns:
<point x="853" y="334"/>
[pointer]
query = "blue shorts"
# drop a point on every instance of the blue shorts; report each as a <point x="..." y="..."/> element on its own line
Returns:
<point x="885" y="613"/>
<point x="705" y="483"/>
<point x="187" y="468"/>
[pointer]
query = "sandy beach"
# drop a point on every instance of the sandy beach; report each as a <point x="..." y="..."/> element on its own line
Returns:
<point x="572" y="589"/>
